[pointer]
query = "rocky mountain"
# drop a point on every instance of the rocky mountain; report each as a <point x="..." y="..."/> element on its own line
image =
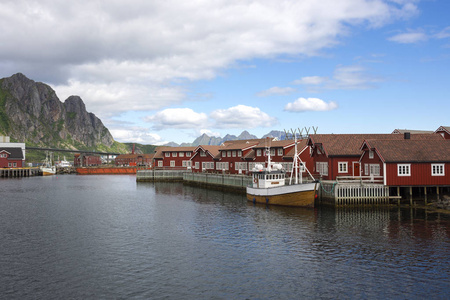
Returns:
<point x="31" y="112"/>
<point x="205" y="139"/>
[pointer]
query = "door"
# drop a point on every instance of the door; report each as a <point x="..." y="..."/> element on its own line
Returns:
<point x="356" y="169"/>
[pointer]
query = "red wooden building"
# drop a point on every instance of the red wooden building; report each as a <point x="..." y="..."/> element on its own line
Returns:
<point x="205" y="158"/>
<point x="232" y="156"/>
<point x="339" y="154"/>
<point x="86" y="160"/>
<point x="11" y="157"/>
<point x="174" y="158"/>
<point x="134" y="160"/>
<point x="408" y="162"/>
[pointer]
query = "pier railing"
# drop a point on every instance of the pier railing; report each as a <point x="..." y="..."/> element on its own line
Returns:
<point x="339" y="193"/>
<point x="220" y="180"/>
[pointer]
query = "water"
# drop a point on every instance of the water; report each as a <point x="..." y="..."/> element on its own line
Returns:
<point x="97" y="237"/>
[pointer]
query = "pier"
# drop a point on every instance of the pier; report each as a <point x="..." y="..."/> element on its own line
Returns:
<point x="18" y="172"/>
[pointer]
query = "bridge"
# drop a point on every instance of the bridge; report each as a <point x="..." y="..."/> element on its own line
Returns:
<point x="71" y="151"/>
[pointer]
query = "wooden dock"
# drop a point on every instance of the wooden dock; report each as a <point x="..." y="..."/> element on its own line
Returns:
<point x="353" y="193"/>
<point x="19" y="172"/>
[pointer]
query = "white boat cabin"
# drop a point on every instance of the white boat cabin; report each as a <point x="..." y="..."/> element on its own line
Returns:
<point x="268" y="178"/>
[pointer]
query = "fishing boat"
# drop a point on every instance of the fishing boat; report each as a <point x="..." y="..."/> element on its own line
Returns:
<point x="47" y="167"/>
<point x="269" y="184"/>
<point x="64" y="163"/>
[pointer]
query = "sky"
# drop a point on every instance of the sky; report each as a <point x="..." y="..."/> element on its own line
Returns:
<point x="162" y="71"/>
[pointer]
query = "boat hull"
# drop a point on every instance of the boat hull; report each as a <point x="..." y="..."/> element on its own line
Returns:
<point x="48" y="171"/>
<point x="106" y="170"/>
<point x="301" y="195"/>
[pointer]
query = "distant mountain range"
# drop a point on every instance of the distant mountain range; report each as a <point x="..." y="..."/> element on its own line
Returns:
<point x="205" y="139"/>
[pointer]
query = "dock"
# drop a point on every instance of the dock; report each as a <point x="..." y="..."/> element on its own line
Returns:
<point x="18" y="172"/>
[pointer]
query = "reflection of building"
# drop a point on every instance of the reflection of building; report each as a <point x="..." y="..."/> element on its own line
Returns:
<point x="12" y="155"/>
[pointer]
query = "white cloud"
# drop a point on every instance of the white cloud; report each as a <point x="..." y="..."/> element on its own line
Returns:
<point x="344" y="77"/>
<point x="443" y="34"/>
<point x="242" y="116"/>
<point x="409" y="38"/>
<point x="311" y="80"/>
<point x="177" y="118"/>
<point x="136" y="135"/>
<point x="310" y="104"/>
<point x="276" y="91"/>
<point x="132" y="54"/>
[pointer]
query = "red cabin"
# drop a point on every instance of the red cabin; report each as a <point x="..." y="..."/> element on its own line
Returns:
<point x="11" y="157"/>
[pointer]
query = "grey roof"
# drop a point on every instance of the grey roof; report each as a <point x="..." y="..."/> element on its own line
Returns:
<point x="15" y="153"/>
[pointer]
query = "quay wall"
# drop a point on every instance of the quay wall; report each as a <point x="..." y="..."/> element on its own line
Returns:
<point x="19" y="172"/>
<point x="225" y="181"/>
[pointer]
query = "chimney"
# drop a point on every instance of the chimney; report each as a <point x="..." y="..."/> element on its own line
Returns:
<point x="407" y="135"/>
<point x="132" y="151"/>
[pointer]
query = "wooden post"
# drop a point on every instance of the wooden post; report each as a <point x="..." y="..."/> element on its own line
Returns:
<point x="437" y="192"/>
<point x="398" y="194"/>
<point x="410" y="196"/>
<point x="425" y="194"/>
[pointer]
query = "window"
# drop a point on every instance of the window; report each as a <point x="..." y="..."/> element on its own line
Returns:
<point x="9" y="165"/>
<point x="167" y="154"/>
<point x="224" y="154"/>
<point x="172" y="163"/>
<point x="234" y="153"/>
<point x="174" y="154"/>
<point x="342" y="167"/>
<point x="366" y="169"/>
<point x="160" y="163"/>
<point x="280" y="152"/>
<point x="181" y="154"/>
<point x="188" y="154"/>
<point x="375" y="169"/>
<point x="258" y="152"/>
<point x="272" y="152"/>
<point x="437" y="170"/>
<point x="14" y="165"/>
<point x="239" y="153"/>
<point x="197" y="165"/>
<point x="404" y="169"/>
<point x="202" y="153"/>
<point x="370" y="154"/>
<point x="228" y="153"/>
<point x="322" y="168"/>
<point x="240" y="166"/>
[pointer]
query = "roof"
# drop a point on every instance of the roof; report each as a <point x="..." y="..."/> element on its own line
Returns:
<point x="301" y="144"/>
<point x="410" y="151"/>
<point x="443" y="128"/>
<point x="213" y="150"/>
<point x="241" y="144"/>
<point x="275" y="144"/>
<point x="350" y="144"/>
<point x="160" y="150"/>
<point x="412" y="131"/>
<point x="14" y="153"/>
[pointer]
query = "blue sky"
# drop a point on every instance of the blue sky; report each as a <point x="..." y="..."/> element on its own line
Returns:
<point x="160" y="71"/>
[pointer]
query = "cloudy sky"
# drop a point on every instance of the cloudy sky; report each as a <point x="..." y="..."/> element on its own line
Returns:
<point x="160" y="71"/>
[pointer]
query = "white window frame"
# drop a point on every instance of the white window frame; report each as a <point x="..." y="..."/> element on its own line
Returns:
<point x="181" y="154"/>
<point x="172" y="164"/>
<point x="228" y="153"/>
<point x="366" y="169"/>
<point x="403" y="170"/>
<point x="174" y="154"/>
<point x="234" y="153"/>
<point x="160" y="163"/>
<point x="167" y="154"/>
<point x="370" y="154"/>
<point x="343" y="167"/>
<point x="188" y="154"/>
<point x="224" y="154"/>
<point x="437" y="169"/>
<point x="272" y="152"/>
<point x="322" y="168"/>
<point x="258" y="152"/>
<point x="202" y="153"/>
<point x="375" y="169"/>
<point x="239" y="153"/>
<point x="280" y="152"/>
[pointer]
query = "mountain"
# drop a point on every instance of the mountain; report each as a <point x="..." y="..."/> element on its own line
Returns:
<point x="31" y="112"/>
<point x="205" y="139"/>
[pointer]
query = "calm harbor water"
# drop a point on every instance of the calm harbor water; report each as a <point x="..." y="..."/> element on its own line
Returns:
<point x="108" y="237"/>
